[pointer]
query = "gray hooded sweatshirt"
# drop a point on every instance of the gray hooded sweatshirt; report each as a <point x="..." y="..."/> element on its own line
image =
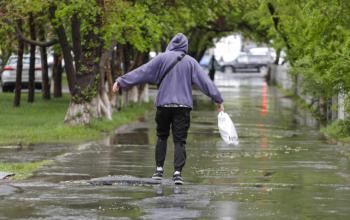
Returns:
<point x="176" y="87"/>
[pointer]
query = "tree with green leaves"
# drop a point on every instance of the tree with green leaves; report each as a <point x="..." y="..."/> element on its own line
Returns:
<point x="100" y="39"/>
<point x="315" y="37"/>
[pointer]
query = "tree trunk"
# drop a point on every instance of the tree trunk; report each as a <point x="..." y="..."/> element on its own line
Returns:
<point x="19" y="68"/>
<point x="90" y="99"/>
<point x="106" y="80"/>
<point x="202" y="39"/>
<point x="65" y="47"/>
<point x="133" y="94"/>
<point x="323" y="109"/>
<point x="111" y="75"/>
<point x="126" y="65"/>
<point x="110" y="79"/>
<point x="76" y="39"/>
<point x="278" y="55"/>
<point x="119" y="61"/>
<point x="295" y="84"/>
<point x="163" y="44"/>
<point x="143" y="93"/>
<point x="81" y="113"/>
<point x="57" y="75"/>
<point x="193" y="37"/>
<point x="31" y="73"/>
<point x="44" y="68"/>
<point x="119" y="71"/>
<point x="277" y="26"/>
<point x="113" y="63"/>
<point x="200" y="54"/>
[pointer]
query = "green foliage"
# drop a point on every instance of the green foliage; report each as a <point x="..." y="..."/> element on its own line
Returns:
<point x="318" y="35"/>
<point x="338" y="130"/>
<point x="143" y="24"/>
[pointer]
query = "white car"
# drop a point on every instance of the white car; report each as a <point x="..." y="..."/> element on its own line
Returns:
<point x="8" y="76"/>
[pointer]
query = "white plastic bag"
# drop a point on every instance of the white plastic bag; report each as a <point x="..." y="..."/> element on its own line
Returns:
<point x="227" y="129"/>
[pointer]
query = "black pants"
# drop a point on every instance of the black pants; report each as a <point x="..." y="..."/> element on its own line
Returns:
<point x="212" y="74"/>
<point x="179" y="120"/>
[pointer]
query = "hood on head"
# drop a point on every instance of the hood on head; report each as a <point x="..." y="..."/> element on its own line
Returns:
<point x="178" y="43"/>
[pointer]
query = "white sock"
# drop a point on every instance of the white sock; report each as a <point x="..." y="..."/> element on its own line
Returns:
<point x="159" y="168"/>
<point x="177" y="172"/>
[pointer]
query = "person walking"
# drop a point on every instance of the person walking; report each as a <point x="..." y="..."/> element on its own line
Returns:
<point x="174" y="72"/>
<point x="212" y="67"/>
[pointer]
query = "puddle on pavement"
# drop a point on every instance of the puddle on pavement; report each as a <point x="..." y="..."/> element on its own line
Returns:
<point x="282" y="168"/>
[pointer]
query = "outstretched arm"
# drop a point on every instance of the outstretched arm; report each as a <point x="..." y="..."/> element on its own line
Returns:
<point x="204" y="84"/>
<point x="144" y="74"/>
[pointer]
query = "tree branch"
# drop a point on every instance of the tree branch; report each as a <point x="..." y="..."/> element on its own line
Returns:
<point x="20" y="36"/>
<point x="276" y="21"/>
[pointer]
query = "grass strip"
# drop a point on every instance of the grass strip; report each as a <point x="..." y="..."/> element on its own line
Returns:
<point x="338" y="131"/>
<point x="42" y="121"/>
<point x="22" y="170"/>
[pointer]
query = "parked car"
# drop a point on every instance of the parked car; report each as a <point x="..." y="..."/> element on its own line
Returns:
<point x="262" y="51"/>
<point x="8" y="76"/>
<point x="247" y="62"/>
<point x="204" y="62"/>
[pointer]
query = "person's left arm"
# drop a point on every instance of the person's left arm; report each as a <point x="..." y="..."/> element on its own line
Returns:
<point x="203" y="82"/>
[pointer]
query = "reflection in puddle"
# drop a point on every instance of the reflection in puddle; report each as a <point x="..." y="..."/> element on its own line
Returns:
<point x="263" y="111"/>
<point x="134" y="138"/>
<point x="226" y="210"/>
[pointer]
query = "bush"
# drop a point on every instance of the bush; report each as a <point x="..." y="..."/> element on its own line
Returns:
<point x="338" y="130"/>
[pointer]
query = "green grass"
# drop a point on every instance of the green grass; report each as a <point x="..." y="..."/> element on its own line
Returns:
<point x="64" y="80"/>
<point x="338" y="130"/>
<point x="42" y="121"/>
<point x="22" y="170"/>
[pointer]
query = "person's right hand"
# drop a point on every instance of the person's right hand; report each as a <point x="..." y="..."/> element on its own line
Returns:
<point x="220" y="107"/>
<point x="115" y="87"/>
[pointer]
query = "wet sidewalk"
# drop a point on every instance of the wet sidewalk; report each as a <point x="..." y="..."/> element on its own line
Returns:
<point x="282" y="169"/>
